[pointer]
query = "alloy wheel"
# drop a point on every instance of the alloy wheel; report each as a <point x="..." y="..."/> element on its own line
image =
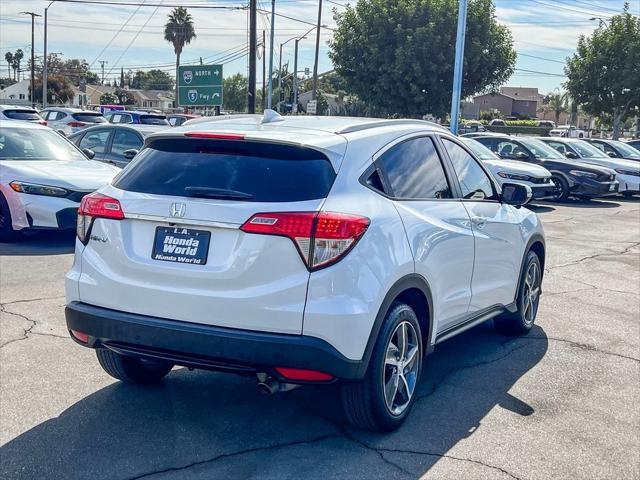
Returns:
<point x="531" y="294"/>
<point x="401" y="368"/>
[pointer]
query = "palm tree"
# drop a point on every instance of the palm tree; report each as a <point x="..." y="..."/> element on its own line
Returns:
<point x="17" y="60"/>
<point x="179" y="31"/>
<point x="9" y="58"/>
<point x="558" y="103"/>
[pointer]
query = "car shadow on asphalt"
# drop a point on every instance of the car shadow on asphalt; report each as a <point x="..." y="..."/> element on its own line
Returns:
<point x="41" y="243"/>
<point x="212" y="425"/>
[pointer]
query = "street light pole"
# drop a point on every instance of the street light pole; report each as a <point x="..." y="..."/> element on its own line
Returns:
<point x="32" y="93"/>
<point x="315" y="63"/>
<point x="273" y="25"/>
<point x="280" y="79"/>
<point x="295" y="77"/>
<point x="457" y="72"/>
<point x="45" y="61"/>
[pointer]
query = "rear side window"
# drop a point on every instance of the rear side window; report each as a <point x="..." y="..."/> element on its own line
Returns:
<point x="89" y="117"/>
<point x="414" y="170"/>
<point x="256" y="172"/>
<point x="474" y="182"/>
<point x="21" y="115"/>
<point x="153" y="119"/>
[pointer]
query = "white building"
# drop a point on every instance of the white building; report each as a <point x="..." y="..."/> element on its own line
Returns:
<point x="16" y="93"/>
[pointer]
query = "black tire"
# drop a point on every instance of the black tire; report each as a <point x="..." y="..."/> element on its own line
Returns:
<point x="627" y="194"/>
<point x="364" y="402"/>
<point x="7" y="233"/>
<point x="521" y="321"/>
<point x="561" y="193"/>
<point x="131" y="369"/>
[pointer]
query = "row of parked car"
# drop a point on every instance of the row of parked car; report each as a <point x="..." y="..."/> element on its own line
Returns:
<point x="52" y="171"/>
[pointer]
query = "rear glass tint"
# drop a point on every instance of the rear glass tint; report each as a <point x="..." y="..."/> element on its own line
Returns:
<point x="89" y="117"/>
<point x="21" y="115"/>
<point x="153" y="119"/>
<point x="264" y="172"/>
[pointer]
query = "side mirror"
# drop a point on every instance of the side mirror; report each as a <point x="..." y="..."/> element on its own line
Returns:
<point x="89" y="153"/>
<point x="129" y="154"/>
<point x="522" y="156"/>
<point x="612" y="155"/>
<point x="571" y="155"/>
<point x="516" y="194"/>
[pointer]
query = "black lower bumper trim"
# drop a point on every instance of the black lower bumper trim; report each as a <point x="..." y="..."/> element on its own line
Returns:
<point x="204" y="346"/>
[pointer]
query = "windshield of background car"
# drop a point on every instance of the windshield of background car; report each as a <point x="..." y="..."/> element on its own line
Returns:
<point x="587" y="150"/>
<point x="625" y="150"/>
<point x="479" y="150"/>
<point x="540" y="149"/>
<point x="21" y="115"/>
<point x="153" y="120"/>
<point x="35" y="144"/>
<point x="88" y="117"/>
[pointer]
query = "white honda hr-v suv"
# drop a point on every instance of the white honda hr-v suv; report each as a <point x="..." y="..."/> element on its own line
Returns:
<point x="303" y="250"/>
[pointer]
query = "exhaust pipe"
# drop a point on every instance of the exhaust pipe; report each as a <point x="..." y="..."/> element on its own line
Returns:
<point x="269" y="385"/>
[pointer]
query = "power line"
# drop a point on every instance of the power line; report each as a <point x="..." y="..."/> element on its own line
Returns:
<point x="159" y="5"/>
<point x="540" y="58"/>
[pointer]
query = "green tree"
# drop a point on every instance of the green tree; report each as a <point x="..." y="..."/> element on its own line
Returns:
<point x="9" y="59"/>
<point x="17" y="60"/>
<point x="235" y="92"/>
<point x="59" y="89"/>
<point x="108" y="99"/>
<point x="179" y="31"/>
<point x="604" y="73"/>
<point x="125" y="97"/>
<point x="398" y="57"/>
<point x="558" y="103"/>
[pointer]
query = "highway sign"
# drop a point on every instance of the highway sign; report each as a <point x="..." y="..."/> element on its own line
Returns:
<point x="200" y="85"/>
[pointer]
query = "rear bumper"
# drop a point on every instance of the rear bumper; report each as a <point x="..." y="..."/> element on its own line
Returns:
<point x="204" y="346"/>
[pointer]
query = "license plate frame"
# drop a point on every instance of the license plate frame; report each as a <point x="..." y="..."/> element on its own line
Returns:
<point x="185" y="242"/>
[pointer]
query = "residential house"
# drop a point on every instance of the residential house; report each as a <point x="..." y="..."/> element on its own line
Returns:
<point x="156" y="99"/>
<point x="18" y="93"/>
<point x="511" y="101"/>
<point x="92" y="95"/>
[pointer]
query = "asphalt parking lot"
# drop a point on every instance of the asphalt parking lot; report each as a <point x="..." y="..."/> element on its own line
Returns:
<point x="562" y="402"/>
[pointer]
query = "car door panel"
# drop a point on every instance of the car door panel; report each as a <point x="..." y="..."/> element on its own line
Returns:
<point x="122" y="140"/>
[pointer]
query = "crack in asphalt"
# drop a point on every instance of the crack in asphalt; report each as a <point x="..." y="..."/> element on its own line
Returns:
<point x="595" y="255"/>
<point x="234" y="454"/>
<point x="590" y="285"/>
<point x="581" y="346"/>
<point x="27" y="332"/>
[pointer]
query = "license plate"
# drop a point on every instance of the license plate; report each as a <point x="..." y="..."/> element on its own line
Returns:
<point x="182" y="245"/>
<point x="612" y="188"/>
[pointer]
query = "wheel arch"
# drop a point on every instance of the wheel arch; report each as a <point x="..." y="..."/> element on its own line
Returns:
<point x="536" y="244"/>
<point x="414" y="290"/>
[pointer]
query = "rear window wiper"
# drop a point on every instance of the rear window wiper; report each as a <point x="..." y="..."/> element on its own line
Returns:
<point x="221" y="193"/>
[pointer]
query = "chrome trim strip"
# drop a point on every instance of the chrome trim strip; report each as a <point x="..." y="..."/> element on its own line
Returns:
<point x="182" y="221"/>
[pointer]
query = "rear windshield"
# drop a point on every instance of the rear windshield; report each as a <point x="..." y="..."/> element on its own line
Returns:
<point x="259" y="172"/>
<point x="22" y="115"/>
<point x="89" y="117"/>
<point x="153" y="119"/>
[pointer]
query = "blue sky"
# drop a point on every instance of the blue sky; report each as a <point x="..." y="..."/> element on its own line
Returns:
<point x="545" y="33"/>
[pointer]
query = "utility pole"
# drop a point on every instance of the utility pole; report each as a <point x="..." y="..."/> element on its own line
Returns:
<point x="251" y="94"/>
<point x="457" y="72"/>
<point x="295" y="78"/>
<point x="314" y="92"/>
<point x="32" y="93"/>
<point x="264" y="68"/>
<point x="280" y="80"/>
<point x="273" y="26"/>
<point x="102" y="63"/>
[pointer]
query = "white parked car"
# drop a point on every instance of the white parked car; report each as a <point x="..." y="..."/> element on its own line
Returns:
<point x="567" y="131"/>
<point x="510" y="171"/>
<point x="43" y="177"/>
<point x="627" y="171"/>
<point x="306" y="250"/>
<point x="71" y="120"/>
<point x="21" y="113"/>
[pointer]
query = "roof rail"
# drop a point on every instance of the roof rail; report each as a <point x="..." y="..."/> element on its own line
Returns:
<point x="386" y="123"/>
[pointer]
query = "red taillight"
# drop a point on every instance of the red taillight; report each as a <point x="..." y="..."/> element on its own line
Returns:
<point x="215" y="136"/>
<point x="304" y="375"/>
<point x="77" y="124"/>
<point x="96" y="205"/>
<point x="81" y="337"/>
<point x="322" y="238"/>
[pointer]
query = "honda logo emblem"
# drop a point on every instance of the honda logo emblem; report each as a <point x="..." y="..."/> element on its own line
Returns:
<point x="178" y="209"/>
